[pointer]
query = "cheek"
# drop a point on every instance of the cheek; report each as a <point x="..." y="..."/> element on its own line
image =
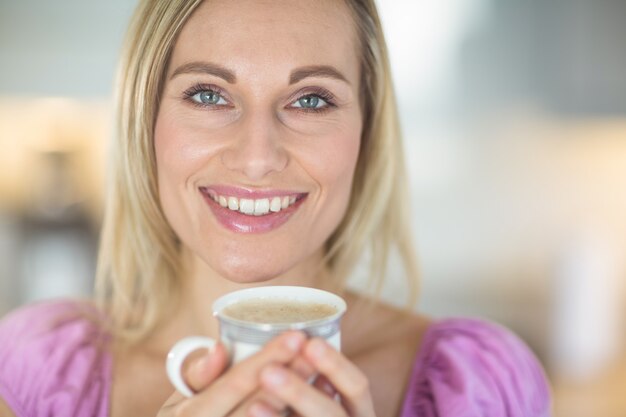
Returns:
<point x="339" y="165"/>
<point x="172" y="159"/>
<point x="180" y="149"/>
<point x="180" y="156"/>
<point x="333" y="169"/>
<point x="345" y="176"/>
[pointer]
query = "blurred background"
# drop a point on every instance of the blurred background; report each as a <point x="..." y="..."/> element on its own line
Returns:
<point x="514" y="114"/>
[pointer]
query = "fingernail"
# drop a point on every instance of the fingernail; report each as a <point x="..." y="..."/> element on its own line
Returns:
<point x="274" y="376"/>
<point x="259" y="410"/>
<point x="294" y="341"/>
<point x="317" y="348"/>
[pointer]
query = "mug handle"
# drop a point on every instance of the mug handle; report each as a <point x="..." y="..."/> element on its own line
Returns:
<point x="176" y="357"/>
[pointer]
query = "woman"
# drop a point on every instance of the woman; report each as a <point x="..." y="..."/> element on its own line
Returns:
<point x="258" y="145"/>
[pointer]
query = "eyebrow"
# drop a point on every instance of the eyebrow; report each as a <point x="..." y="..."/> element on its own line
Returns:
<point x="206" y="68"/>
<point x="325" y="71"/>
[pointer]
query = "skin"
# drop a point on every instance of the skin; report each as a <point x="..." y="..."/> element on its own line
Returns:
<point x="382" y="351"/>
<point x="260" y="139"/>
<point x="4" y="410"/>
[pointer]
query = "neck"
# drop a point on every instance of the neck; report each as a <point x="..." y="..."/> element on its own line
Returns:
<point x="202" y="285"/>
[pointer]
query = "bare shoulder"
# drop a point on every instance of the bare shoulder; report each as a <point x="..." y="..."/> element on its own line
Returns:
<point x="5" y="411"/>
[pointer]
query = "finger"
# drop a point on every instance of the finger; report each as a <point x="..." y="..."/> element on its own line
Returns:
<point x="200" y="374"/>
<point x="206" y="369"/>
<point x="233" y="387"/>
<point x="300" y="366"/>
<point x="260" y="409"/>
<point x="346" y="378"/>
<point x="305" y="399"/>
<point x="323" y="384"/>
<point x="260" y="396"/>
<point x="171" y="403"/>
<point x="303" y="367"/>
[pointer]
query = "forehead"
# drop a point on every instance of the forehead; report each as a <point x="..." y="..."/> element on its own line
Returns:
<point x="254" y="37"/>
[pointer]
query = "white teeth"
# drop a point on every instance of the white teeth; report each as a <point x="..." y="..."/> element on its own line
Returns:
<point x="275" y="205"/>
<point x="258" y="207"/>
<point x="246" y="206"/>
<point x="261" y="206"/>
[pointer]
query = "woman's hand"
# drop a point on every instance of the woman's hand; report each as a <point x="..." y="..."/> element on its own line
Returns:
<point x="338" y="375"/>
<point x="221" y="393"/>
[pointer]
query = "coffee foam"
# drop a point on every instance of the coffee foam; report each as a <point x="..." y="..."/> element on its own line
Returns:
<point x="278" y="311"/>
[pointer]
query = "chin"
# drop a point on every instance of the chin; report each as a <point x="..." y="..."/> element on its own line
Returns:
<point x="246" y="272"/>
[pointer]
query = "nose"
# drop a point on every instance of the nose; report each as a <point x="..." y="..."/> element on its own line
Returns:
<point x="256" y="149"/>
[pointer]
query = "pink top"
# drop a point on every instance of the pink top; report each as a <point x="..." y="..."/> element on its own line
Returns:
<point x="53" y="363"/>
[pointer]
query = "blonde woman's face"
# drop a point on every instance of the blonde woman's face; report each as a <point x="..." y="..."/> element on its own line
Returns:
<point x="258" y="133"/>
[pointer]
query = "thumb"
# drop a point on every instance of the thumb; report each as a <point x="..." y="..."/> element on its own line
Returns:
<point x="204" y="370"/>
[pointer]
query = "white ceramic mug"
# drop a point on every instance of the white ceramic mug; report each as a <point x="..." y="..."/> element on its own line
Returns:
<point x="243" y="339"/>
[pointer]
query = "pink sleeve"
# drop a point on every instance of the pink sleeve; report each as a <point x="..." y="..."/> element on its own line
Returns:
<point x="471" y="368"/>
<point x="53" y="361"/>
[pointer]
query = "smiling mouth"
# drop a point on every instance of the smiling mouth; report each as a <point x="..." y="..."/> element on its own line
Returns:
<point x="254" y="207"/>
<point x="244" y="214"/>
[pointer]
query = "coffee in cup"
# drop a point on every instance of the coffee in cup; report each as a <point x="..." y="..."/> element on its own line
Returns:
<point x="278" y="311"/>
<point x="250" y="318"/>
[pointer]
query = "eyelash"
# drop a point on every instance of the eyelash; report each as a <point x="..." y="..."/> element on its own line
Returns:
<point x="199" y="88"/>
<point x="322" y="93"/>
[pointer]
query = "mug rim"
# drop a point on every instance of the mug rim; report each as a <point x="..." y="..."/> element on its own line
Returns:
<point x="285" y="292"/>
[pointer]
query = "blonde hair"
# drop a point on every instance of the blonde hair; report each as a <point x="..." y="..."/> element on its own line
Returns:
<point x="140" y="255"/>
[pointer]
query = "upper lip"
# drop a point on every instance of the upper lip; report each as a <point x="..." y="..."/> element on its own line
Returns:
<point x="242" y="192"/>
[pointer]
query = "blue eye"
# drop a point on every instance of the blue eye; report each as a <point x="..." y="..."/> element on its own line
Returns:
<point x="209" y="97"/>
<point x="311" y="101"/>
